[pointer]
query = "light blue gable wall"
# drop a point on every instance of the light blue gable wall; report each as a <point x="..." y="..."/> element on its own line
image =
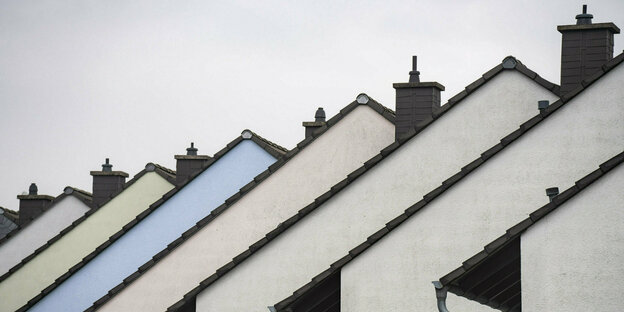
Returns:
<point x="206" y="192"/>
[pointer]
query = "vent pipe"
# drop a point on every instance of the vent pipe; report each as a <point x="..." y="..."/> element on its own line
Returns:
<point x="552" y="192"/>
<point x="415" y="101"/>
<point x="189" y="164"/>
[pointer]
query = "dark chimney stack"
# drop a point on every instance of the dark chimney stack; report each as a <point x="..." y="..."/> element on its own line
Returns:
<point x="415" y="101"/>
<point x="106" y="182"/>
<point x="319" y="121"/>
<point x="32" y="205"/>
<point x="585" y="47"/>
<point x="189" y="164"/>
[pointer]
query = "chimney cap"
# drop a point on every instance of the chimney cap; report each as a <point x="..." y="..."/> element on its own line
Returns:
<point x="584" y="18"/>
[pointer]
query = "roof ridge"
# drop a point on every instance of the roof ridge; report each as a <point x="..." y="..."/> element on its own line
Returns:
<point x="534" y="217"/>
<point x="524" y="127"/>
<point x="272" y="148"/>
<point x="505" y="141"/>
<point x="244" y="190"/>
<point x="66" y="230"/>
<point x="126" y="228"/>
<point x="10" y="214"/>
<point x="165" y="169"/>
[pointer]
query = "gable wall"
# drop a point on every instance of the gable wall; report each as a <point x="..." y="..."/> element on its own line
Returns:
<point x="572" y="259"/>
<point x="179" y="213"/>
<point x="306" y="249"/>
<point x="58" y="258"/>
<point x="340" y="150"/>
<point x="396" y="273"/>
<point x="39" y="231"/>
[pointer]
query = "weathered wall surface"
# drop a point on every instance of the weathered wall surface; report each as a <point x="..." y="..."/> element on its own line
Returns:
<point x="343" y="148"/>
<point x="306" y="249"/>
<point x="39" y="231"/>
<point x="396" y="273"/>
<point x="572" y="259"/>
<point x="57" y="259"/>
<point x="179" y="213"/>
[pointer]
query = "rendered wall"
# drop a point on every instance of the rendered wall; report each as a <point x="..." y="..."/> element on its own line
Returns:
<point x="39" y="231"/>
<point x="396" y="273"/>
<point x="324" y="236"/>
<point x="343" y="148"/>
<point x="572" y="259"/>
<point x="179" y="213"/>
<point x="58" y="258"/>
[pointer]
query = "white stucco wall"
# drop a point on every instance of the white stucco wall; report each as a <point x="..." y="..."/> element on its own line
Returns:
<point x="343" y="148"/>
<point x="325" y="235"/>
<point x="572" y="259"/>
<point x="39" y="231"/>
<point x="396" y="273"/>
<point x="58" y="258"/>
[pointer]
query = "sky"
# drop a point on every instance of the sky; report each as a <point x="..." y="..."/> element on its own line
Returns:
<point x="137" y="81"/>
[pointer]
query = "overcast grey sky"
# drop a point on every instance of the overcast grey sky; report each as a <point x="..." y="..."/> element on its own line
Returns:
<point x="136" y="81"/>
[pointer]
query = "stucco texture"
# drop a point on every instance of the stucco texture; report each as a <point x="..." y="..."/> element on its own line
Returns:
<point x="396" y="273"/>
<point x="39" y="231"/>
<point x="343" y="148"/>
<point x="572" y="259"/>
<point x="58" y="258"/>
<point x="324" y="236"/>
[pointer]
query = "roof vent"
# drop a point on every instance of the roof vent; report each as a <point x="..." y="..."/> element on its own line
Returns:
<point x="584" y="19"/>
<point x="552" y="192"/>
<point x="542" y="105"/>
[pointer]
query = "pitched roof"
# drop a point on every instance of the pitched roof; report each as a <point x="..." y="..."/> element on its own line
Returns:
<point x="267" y="145"/>
<point x="466" y="170"/>
<point x="509" y="63"/>
<point x="8" y="221"/>
<point x="9" y="214"/>
<point x="83" y="195"/>
<point x="385" y="112"/>
<point x="502" y="244"/>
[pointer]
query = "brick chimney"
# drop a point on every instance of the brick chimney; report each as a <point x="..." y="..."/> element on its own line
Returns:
<point x="585" y="47"/>
<point x="415" y="101"/>
<point x="106" y="182"/>
<point x="189" y="164"/>
<point x="32" y="205"/>
<point x="319" y="121"/>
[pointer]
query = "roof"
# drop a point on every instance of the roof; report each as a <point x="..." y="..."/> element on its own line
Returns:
<point x="387" y="113"/>
<point x="504" y="252"/>
<point x="448" y="183"/>
<point x="268" y="146"/>
<point x="509" y="63"/>
<point x="82" y="195"/>
<point x="9" y="214"/>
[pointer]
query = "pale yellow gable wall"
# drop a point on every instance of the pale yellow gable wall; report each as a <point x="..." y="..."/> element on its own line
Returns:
<point x="58" y="258"/>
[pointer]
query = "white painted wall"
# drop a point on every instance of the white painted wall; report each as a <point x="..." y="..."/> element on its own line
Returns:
<point x="423" y="163"/>
<point x="343" y="148"/>
<point x="39" y="231"/>
<point x="572" y="259"/>
<point x="396" y="273"/>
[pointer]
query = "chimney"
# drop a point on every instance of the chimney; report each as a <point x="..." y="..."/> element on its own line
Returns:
<point x="32" y="205"/>
<point x="415" y="101"/>
<point x="585" y="47"/>
<point x="319" y="121"/>
<point x="106" y="182"/>
<point x="189" y="164"/>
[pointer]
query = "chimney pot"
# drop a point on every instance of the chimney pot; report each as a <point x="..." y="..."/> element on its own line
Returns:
<point x="584" y="19"/>
<point x="552" y="192"/>
<point x="107" y="167"/>
<point x="414" y="74"/>
<point x="32" y="190"/>
<point x="191" y="150"/>
<point x="320" y="115"/>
